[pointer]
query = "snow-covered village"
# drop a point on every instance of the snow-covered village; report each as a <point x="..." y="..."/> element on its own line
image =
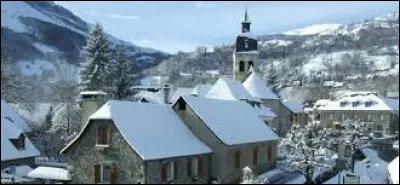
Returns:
<point x="235" y="92"/>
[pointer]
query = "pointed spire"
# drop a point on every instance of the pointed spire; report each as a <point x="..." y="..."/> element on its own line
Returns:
<point x="246" y="17"/>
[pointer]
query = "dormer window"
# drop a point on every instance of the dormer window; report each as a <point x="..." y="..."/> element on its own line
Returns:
<point x="356" y="103"/>
<point x="368" y="104"/>
<point x="19" y="143"/>
<point x="343" y="103"/>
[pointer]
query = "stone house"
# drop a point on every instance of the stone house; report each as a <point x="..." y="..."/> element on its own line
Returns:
<point x="298" y="115"/>
<point x="382" y="113"/>
<point x="128" y="142"/>
<point x="237" y="136"/>
<point x="16" y="148"/>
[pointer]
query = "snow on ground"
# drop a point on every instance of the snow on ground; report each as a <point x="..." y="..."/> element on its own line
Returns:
<point x="44" y="48"/>
<point x="36" y="115"/>
<point x="36" y="67"/>
<point x="276" y="42"/>
<point x="12" y="10"/>
<point x="279" y="176"/>
<point x="316" y="63"/>
<point x="373" y="170"/>
<point x="313" y="29"/>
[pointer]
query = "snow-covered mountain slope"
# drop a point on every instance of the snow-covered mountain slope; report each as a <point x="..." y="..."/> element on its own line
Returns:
<point x="313" y="29"/>
<point x="43" y="36"/>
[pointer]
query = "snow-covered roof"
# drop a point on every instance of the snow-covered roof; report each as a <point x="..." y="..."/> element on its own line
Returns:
<point x="248" y="35"/>
<point x="8" y="114"/>
<point x="263" y="111"/>
<point x="258" y="88"/>
<point x="154" y="97"/>
<point x="295" y="107"/>
<point x="233" y="122"/>
<point x="393" y="169"/>
<point x="50" y="173"/>
<point x="173" y="139"/>
<point x="179" y="92"/>
<point x="361" y="100"/>
<point x="8" y="151"/>
<point x="92" y="93"/>
<point x="248" y="52"/>
<point x="229" y="89"/>
<point x="201" y="90"/>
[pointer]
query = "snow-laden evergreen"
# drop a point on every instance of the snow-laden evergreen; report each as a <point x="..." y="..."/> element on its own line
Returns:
<point x="123" y="76"/>
<point x="95" y="70"/>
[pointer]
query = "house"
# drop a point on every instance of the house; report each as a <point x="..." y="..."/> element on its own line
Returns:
<point x="299" y="116"/>
<point x="232" y="90"/>
<point x="382" y="113"/>
<point x="234" y="132"/>
<point x="257" y="88"/>
<point x="131" y="142"/>
<point x="16" y="148"/>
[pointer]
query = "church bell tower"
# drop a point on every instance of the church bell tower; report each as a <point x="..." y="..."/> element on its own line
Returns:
<point x="245" y="54"/>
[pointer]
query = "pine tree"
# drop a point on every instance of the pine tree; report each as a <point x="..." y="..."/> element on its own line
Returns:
<point x="95" y="70"/>
<point x="48" y="122"/>
<point x="123" y="76"/>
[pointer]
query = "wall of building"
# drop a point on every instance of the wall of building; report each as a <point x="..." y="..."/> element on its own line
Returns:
<point x="29" y="161"/>
<point x="246" y="57"/>
<point x="153" y="170"/>
<point x="382" y="118"/>
<point x="223" y="155"/>
<point x="83" y="155"/>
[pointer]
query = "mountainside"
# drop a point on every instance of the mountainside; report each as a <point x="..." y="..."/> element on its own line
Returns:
<point x="359" y="56"/>
<point x="42" y="37"/>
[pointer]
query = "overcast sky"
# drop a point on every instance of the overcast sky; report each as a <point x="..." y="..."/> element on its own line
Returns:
<point x="173" y="26"/>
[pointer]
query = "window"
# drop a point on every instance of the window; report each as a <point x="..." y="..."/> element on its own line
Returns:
<point x="356" y="103"/>
<point x="246" y="43"/>
<point x="251" y="64"/>
<point x="255" y="156"/>
<point x="169" y="171"/>
<point x="368" y="104"/>
<point x="379" y="128"/>
<point x="237" y="160"/>
<point x="102" y="135"/>
<point x="105" y="173"/>
<point x="269" y="153"/>
<point x="19" y="143"/>
<point x="382" y="117"/>
<point x="195" y="167"/>
<point x="241" y="66"/>
<point x="343" y="103"/>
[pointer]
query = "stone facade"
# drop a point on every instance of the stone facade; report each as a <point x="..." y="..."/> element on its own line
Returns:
<point x="83" y="155"/>
<point x="247" y="59"/>
<point x="386" y="122"/>
<point x="223" y="162"/>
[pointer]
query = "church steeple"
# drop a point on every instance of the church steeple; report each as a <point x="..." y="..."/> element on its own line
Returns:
<point x="246" y="23"/>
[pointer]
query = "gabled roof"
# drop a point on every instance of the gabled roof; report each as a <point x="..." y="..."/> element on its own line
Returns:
<point x="229" y="89"/>
<point x="10" y="131"/>
<point x="179" y="92"/>
<point x="201" y="90"/>
<point x="233" y="122"/>
<point x="263" y="111"/>
<point x="295" y="107"/>
<point x="258" y="88"/>
<point x="153" y="97"/>
<point x="11" y="115"/>
<point x="154" y="131"/>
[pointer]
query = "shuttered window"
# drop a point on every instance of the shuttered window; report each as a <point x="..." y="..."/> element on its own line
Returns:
<point x="200" y="166"/>
<point x="96" y="173"/>
<point x="237" y="160"/>
<point x="255" y="156"/>
<point x="113" y="174"/>
<point x="164" y="168"/>
<point x="102" y="135"/>
<point x="269" y="153"/>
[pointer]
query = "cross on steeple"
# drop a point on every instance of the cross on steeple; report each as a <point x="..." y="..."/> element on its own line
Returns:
<point x="246" y="22"/>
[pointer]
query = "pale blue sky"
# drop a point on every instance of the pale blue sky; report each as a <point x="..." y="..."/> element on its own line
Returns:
<point x="173" y="26"/>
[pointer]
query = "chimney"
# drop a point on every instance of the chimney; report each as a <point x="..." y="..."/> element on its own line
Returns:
<point x="167" y="91"/>
<point x="90" y="102"/>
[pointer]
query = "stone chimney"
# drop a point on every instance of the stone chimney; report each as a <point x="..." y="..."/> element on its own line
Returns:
<point x="90" y="102"/>
<point x="167" y="92"/>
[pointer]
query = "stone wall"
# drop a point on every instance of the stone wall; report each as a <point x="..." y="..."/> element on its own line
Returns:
<point x="83" y="155"/>
<point x="153" y="171"/>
